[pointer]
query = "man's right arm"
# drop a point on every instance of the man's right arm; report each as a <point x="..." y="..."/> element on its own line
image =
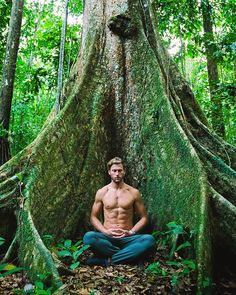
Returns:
<point x="96" y="211"/>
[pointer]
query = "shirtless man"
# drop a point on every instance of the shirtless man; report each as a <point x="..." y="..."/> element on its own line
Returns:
<point x="117" y="240"/>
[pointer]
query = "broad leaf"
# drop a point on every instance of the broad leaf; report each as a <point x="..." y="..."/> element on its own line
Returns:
<point x="67" y="244"/>
<point x="184" y="245"/>
<point x="64" y="253"/>
<point x="74" y="265"/>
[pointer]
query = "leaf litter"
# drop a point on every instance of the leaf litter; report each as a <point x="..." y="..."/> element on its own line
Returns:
<point x="120" y="279"/>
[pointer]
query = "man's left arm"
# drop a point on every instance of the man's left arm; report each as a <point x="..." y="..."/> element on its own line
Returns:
<point x="141" y="212"/>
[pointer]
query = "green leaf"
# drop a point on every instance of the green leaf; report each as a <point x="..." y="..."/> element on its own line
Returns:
<point x="85" y="247"/>
<point x="2" y="266"/>
<point x="175" y="228"/>
<point x="20" y="176"/>
<point x="14" y="270"/>
<point x="39" y="285"/>
<point x="48" y="237"/>
<point x="189" y="263"/>
<point x="76" y="254"/>
<point x="67" y="244"/>
<point x="61" y="246"/>
<point x="78" y="243"/>
<point x="206" y="282"/>
<point x="41" y="292"/>
<point x="154" y="268"/>
<point x="156" y="233"/>
<point x="174" y="279"/>
<point x="64" y="253"/>
<point x="184" y="245"/>
<point x="2" y="241"/>
<point x="74" y="265"/>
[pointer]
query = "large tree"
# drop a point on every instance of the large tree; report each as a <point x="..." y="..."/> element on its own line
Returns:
<point x="212" y="69"/>
<point x="125" y="97"/>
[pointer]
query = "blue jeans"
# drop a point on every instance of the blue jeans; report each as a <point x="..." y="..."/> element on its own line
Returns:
<point x="121" y="250"/>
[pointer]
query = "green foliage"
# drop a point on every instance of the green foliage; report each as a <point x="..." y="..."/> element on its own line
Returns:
<point x="2" y="241"/>
<point x="5" y="11"/>
<point x="3" y="132"/>
<point x="155" y="268"/>
<point x="181" y="27"/>
<point x="19" y="176"/>
<point x="178" y="267"/>
<point x="120" y="279"/>
<point x="206" y="282"/>
<point x="172" y="236"/>
<point x="48" y="241"/>
<point x="67" y="249"/>
<point x="7" y="269"/>
<point x="37" y="65"/>
<point x="38" y="288"/>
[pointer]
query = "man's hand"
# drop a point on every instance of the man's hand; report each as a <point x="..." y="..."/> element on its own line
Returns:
<point x="118" y="232"/>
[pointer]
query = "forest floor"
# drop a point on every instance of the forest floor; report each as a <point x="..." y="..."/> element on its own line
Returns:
<point x="152" y="277"/>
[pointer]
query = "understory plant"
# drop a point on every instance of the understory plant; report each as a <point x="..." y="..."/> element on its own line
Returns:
<point x="67" y="249"/>
<point x="7" y="268"/>
<point x="176" y="241"/>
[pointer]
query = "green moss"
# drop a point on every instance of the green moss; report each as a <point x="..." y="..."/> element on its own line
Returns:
<point x="33" y="254"/>
<point x="160" y="158"/>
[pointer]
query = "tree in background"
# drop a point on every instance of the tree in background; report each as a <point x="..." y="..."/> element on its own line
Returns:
<point x="5" y="12"/>
<point x="217" y="117"/>
<point x="37" y="66"/>
<point x="117" y="104"/>
<point x="61" y="59"/>
<point x="8" y="77"/>
<point x="182" y="20"/>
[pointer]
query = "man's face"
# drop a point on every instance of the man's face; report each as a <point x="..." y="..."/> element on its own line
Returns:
<point x="117" y="173"/>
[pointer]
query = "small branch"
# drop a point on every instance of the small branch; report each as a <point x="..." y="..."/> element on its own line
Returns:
<point x="9" y="199"/>
<point x="12" y="251"/>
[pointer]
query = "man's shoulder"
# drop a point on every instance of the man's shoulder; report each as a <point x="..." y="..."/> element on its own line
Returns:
<point x="132" y="189"/>
<point x="102" y="191"/>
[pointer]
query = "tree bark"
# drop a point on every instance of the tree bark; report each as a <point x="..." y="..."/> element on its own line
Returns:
<point x="8" y="77"/>
<point x="212" y="69"/>
<point x="5" y="12"/>
<point x="125" y="97"/>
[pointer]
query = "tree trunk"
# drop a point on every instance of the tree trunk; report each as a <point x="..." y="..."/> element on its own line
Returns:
<point x="212" y="69"/>
<point x="5" y="16"/>
<point x="39" y="12"/>
<point x="125" y="97"/>
<point x="8" y="77"/>
<point x="61" y="58"/>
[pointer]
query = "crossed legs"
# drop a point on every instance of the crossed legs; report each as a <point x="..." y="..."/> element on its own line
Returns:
<point x="121" y="250"/>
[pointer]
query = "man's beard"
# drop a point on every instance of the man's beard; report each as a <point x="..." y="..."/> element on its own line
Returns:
<point x="117" y="179"/>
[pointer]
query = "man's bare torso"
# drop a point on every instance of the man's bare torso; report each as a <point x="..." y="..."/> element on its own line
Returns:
<point x="118" y="206"/>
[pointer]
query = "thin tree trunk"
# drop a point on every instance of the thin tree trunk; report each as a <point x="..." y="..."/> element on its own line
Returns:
<point x="212" y="68"/>
<point x="182" y="53"/>
<point x="69" y="57"/>
<point x="61" y="58"/>
<point x="37" y="24"/>
<point x="9" y="76"/>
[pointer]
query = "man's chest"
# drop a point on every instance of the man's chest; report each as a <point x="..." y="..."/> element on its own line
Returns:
<point x="118" y="200"/>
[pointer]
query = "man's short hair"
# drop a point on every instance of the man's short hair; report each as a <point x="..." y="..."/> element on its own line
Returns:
<point x="113" y="161"/>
